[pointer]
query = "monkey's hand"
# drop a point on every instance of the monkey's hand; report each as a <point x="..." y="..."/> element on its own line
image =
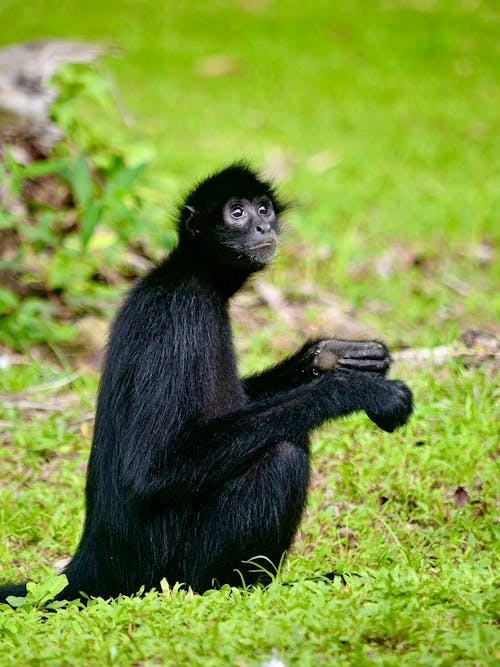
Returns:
<point x="351" y="355"/>
<point x="391" y="405"/>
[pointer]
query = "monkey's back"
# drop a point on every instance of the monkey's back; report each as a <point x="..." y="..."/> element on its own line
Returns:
<point x="170" y="365"/>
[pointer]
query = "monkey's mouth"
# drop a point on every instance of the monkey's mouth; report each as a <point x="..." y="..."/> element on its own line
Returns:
<point x="262" y="253"/>
<point x="267" y="245"/>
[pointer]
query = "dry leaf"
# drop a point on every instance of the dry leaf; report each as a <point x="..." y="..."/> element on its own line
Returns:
<point x="460" y="497"/>
<point x="348" y="535"/>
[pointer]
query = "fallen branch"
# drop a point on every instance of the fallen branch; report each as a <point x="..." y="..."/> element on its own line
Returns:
<point x="441" y="354"/>
<point x="474" y="347"/>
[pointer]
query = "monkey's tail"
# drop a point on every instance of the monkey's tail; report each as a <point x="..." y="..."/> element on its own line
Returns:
<point x="19" y="590"/>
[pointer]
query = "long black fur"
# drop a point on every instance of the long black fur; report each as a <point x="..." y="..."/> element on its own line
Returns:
<point x="194" y="471"/>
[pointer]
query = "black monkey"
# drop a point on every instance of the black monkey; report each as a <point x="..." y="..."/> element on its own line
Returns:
<point x="194" y="471"/>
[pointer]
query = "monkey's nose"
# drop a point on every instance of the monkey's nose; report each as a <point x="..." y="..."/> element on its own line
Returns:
<point x="263" y="228"/>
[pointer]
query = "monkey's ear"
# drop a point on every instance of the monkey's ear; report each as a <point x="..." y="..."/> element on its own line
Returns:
<point x="190" y="214"/>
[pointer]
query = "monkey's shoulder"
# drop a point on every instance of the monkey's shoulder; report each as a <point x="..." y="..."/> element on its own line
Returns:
<point x="173" y="282"/>
<point x="167" y="307"/>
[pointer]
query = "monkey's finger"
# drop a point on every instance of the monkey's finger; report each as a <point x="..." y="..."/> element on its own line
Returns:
<point x="365" y="364"/>
<point x="366" y="351"/>
<point x="354" y="349"/>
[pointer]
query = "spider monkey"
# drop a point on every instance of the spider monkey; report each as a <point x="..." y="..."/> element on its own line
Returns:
<point x="193" y="470"/>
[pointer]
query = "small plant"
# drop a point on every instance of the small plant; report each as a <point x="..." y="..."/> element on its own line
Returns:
<point x="41" y="595"/>
<point x="77" y="228"/>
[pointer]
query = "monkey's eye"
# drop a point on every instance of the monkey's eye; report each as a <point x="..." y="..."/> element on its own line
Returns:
<point x="263" y="209"/>
<point x="237" y="212"/>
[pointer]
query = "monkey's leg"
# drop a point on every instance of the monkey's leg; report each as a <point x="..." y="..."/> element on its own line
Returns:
<point x="252" y="516"/>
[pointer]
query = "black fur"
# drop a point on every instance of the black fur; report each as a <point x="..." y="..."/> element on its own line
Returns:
<point x="194" y="471"/>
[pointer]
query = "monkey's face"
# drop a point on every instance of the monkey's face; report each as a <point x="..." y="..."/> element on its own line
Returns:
<point x="248" y="232"/>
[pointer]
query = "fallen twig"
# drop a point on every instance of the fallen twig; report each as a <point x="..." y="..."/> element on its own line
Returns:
<point x="55" y="384"/>
<point x="47" y="405"/>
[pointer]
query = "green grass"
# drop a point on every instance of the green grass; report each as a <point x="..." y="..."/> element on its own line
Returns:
<point x="380" y="120"/>
<point x="381" y="507"/>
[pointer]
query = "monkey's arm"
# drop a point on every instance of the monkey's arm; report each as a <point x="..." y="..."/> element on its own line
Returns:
<point x="317" y="357"/>
<point x="287" y="374"/>
<point x="213" y="452"/>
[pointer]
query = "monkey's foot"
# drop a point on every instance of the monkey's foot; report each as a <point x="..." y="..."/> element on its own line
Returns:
<point x="350" y="355"/>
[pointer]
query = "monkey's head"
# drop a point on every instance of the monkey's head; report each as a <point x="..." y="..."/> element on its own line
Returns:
<point x="232" y="217"/>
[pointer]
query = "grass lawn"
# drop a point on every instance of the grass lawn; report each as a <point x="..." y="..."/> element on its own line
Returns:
<point x="380" y="121"/>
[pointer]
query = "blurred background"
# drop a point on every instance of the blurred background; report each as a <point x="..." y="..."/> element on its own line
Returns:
<point x="379" y="121"/>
